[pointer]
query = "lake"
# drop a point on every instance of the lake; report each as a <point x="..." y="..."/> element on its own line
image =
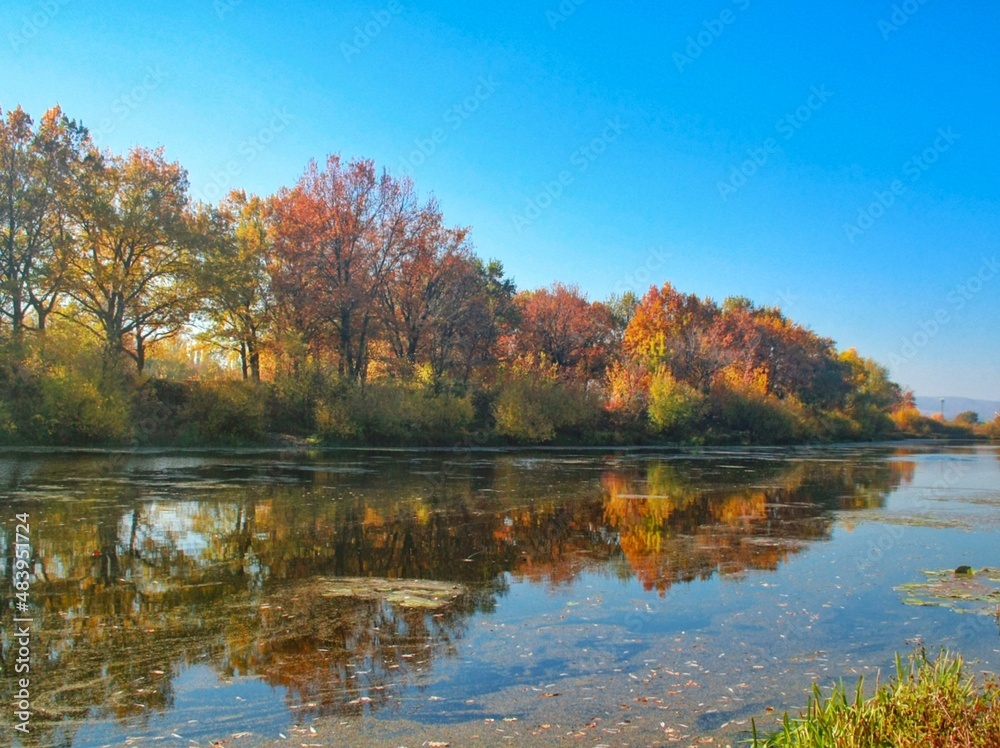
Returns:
<point x="482" y="597"/>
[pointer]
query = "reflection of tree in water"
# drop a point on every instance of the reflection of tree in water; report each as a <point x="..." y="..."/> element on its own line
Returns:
<point x="159" y="563"/>
<point x="347" y="653"/>
<point x="678" y="525"/>
<point x="101" y="637"/>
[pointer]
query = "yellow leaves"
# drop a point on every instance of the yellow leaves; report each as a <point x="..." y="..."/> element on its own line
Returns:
<point x="672" y="404"/>
<point x="752" y="382"/>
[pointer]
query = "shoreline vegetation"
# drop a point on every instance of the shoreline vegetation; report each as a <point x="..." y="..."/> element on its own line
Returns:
<point x="930" y="702"/>
<point x="342" y="311"/>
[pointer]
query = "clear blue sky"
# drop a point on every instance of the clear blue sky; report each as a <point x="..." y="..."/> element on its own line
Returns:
<point x="600" y="143"/>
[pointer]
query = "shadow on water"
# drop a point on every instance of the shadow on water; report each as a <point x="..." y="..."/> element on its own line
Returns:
<point x="297" y="569"/>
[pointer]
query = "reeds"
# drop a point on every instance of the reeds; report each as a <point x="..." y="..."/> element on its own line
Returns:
<point x="930" y="703"/>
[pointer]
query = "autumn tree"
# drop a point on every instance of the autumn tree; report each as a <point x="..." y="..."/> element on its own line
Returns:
<point x="872" y="393"/>
<point x="441" y="306"/>
<point x="622" y="308"/>
<point x="37" y="167"/>
<point x="566" y="329"/>
<point x="340" y="235"/>
<point x="762" y="345"/>
<point x="488" y="321"/>
<point x="234" y="278"/>
<point x="670" y="330"/>
<point x="131" y="275"/>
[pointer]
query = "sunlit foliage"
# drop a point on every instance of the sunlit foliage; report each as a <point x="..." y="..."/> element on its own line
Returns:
<point x="354" y="314"/>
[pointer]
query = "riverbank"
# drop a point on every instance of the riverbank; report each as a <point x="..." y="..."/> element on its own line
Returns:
<point x="58" y="408"/>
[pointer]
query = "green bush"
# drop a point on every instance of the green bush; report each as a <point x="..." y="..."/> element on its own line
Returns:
<point x="674" y="407"/>
<point x="393" y="412"/>
<point x="537" y="409"/>
<point x="76" y="410"/>
<point x="8" y="429"/>
<point x="157" y="408"/>
<point x="58" y="391"/>
<point x="223" y="412"/>
<point x="751" y="418"/>
<point x="293" y="399"/>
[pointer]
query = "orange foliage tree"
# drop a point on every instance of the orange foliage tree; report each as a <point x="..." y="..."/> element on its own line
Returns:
<point x="341" y="234"/>
<point x="560" y="324"/>
<point x="670" y="329"/>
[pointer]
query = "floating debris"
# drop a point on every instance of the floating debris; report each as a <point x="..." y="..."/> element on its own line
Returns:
<point x="406" y="593"/>
<point x="963" y="590"/>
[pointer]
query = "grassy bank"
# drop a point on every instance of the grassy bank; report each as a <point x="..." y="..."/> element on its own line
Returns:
<point x="60" y="406"/>
<point x="929" y="703"/>
<point x="64" y="391"/>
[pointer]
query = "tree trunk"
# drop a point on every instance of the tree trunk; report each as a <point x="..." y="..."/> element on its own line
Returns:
<point x="254" y="361"/>
<point x="140" y="352"/>
<point x="243" y="360"/>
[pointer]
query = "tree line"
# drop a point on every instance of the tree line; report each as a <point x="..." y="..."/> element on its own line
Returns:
<point x="344" y="308"/>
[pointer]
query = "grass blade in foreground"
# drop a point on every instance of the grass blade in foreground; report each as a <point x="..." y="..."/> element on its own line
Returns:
<point x="929" y="703"/>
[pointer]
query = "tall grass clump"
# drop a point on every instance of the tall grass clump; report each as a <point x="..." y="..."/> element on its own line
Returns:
<point x="930" y="704"/>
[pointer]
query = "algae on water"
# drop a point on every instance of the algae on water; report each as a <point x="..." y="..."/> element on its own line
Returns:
<point x="964" y="590"/>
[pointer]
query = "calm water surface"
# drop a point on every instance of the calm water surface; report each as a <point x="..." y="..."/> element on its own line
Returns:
<point x="478" y="598"/>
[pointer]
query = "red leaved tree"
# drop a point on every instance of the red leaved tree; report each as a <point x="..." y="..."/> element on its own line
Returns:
<point x="340" y="235"/>
<point x="559" y="323"/>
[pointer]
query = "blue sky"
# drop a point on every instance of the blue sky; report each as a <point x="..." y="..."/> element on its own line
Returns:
<point x="838" y="161"/>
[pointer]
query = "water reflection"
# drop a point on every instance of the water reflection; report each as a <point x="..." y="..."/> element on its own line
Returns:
<point x="292" y="569"/>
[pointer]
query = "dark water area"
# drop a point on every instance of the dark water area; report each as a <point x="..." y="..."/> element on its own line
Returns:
<point x="476" y="597"/>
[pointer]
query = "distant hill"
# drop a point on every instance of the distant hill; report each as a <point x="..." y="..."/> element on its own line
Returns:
<point x="955" y="405"/>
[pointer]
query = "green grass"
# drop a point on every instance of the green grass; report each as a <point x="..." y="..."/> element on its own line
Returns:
<point x="930" y="703"/>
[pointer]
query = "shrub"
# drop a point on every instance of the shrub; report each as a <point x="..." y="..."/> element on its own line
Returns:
<point x="910" y="421"/>
<point x="58" y="390"/>
<point x="992" y="429"/>
<point x="674" y="407"/>
<point x="76" y="410"/>
<point x="294" y="399"/>
<point x="752" y="418"/>
<point x="967" y="418"/>
<point x="8" y="429"/>
<point x="392" y="412"/>
<point x="627" y="387"/>
<point x="223" y="412"/>
<point x="535" y="408"/>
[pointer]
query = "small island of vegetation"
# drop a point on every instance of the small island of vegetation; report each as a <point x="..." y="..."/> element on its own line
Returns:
<point x="342" y="310"/>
